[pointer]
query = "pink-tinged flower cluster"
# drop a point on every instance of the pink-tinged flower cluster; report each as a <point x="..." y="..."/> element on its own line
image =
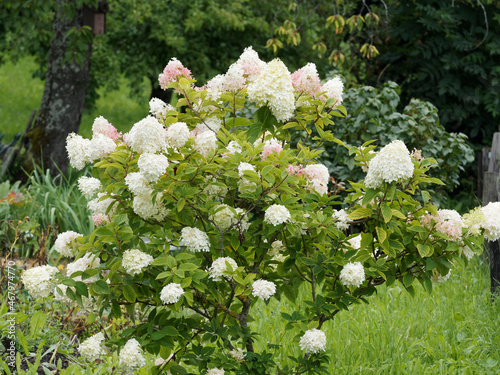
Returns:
<point x="251" y="64"/>
<point x="102" y="126"/>
<point x="448" y="222"/>
<point x="306" y="80"/>
<point x="318" y="176"/>
<point x="295" y="170"/>
<point x="270" y="146"/>
<point x="173" y="70"/>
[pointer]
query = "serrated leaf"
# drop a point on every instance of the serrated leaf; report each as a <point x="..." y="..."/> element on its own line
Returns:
<point x="386" y="212"/>
<point x="381" y="234"/>
<point x="360" y="213"/>
<point x="129" y="293"/>
<point x="425" y="250"/>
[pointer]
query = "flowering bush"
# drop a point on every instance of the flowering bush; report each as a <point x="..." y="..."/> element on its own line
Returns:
<point x="201" y="212"/>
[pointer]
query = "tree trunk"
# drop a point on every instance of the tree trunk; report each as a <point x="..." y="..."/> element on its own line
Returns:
<point x="63" y="96"/>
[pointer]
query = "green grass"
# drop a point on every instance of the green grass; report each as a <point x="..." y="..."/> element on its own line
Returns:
<point x="455" y="330"/>
<point x="20" y="94"/>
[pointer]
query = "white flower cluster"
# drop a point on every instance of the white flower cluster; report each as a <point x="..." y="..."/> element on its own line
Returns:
<point x="82" y="151"/>
<point x="318" y="176"/>
<point x="99" y="206"/>
<point x="224" y="217"/>
<point x="146" y="208"/>
<point x="177" y="134"/>
<point x="92" y="347"/>
<point x="341" y="219"/>
<point x="134" y="261"/>
<point x="238" y="354"/>
<point x="89" y="186"/>
<point x="205" y="142"/>
<point x="274" y="88"/>
<point x="276" y="215"/>
<point x="215" y="371"/>
<point x="392" y="163"/>
<point x="212" y="190"/>
<point x="219" y="268"/>
<point x="171" y="293"/>
<point x="353" y="274"/>
<point x="152" y="166"/>
<point x="147" y="135"/>
<point x="88" y="261"/>
<point x="306" y="80"/>
<point x="448" y="222"/>
<point x="39" y="280"/>
<point x="491" y="224"/>
<point x="437" y="278"/>
<point x="333" y="89"/>
<point x="159" y="108"/>
<point x="263" y="289"/>
<point x="137" y="184"/>
<point x="195" y="240"/>
<point x="131" y="357"/>
<point x="313" y="341"/>
<point x="66" y="244"/>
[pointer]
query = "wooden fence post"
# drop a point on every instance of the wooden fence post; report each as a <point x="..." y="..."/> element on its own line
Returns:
<point x="490" y="193"/>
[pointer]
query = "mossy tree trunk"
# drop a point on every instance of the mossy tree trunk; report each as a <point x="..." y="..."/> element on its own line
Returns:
<point x="63" y="98"/>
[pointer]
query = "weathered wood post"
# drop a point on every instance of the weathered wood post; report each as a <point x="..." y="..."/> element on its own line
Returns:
<point x="490" y="193"/>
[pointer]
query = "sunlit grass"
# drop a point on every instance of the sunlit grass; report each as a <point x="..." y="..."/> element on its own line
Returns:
<point x="455" y="330"/>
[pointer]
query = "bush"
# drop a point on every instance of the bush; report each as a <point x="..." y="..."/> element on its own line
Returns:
<point x="202" y="212"/>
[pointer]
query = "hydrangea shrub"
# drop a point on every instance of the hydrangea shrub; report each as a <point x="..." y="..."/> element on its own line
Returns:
<point x="201" y="212"/>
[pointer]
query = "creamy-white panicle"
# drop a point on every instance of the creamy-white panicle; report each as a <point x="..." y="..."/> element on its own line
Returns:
<point x="392" y="163"/>
<point x="195" y="240"/>
<point x="138" y="184"/>
<point x="238" y="354"/>
<point x="101" y="146"/>
<point x="263" y="289"/>
<point x="159" y="108"/>
<point x="276" y="215"/>
<point x="215" y="371"/>
<point x="233" y="148"/>
<point x="243" y="166"/>
<point x="448" y="222"/>
<point x="39" y="280"/>
<point x="215" y="87"/>
<point x="131" y="357"/>
<point x="104" y="127"/>
<point x="313" y="341"/>
<point x="134" y="261"/>
<point x="276" y="248"/>
<point x="223" y="217"/>
<point x="218" y="268"/>
<point x="152" y="166"/>
<point x="234" y="79"/>
<point x="92" y="347"/>
<point x="147" y="135"/>
<point x="171" y="293"/>
<point x="88" y="261"/>
<point x="274" y="88"/>
<point x="89" y="186"/>
<point x="99" y="207"/>
<point x="353" y="274"/>
<point x="205" y="142"/>
<point x="177" y="134"/>
<point x="213" y="124"/>
<point x="251" y="64"/>
<point x="334" y="89"/>
<point x="146" y="208"/>
<point x="60" y="294"/>
<point x="355" y="242"/>
<point x="79" y="150"/>
<point x="491" y="224"/>
<point x="341" y="219"/>
<point x="66" y="244"/>
<point x="317" y="172"/>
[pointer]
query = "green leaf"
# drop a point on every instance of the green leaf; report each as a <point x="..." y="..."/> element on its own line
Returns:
<point x="100" y="287"/>
<point x="408" y="279"/>
<point x="37" y="322"/>
<point x="129" y="293"/>
<point x="430" y="264"/>
<point x="180" y="204"/>
<point x="81" y="288"/>
<point x="381" y="234"/>
<point x="425" y="250"/>
<point x="369" y="195"/>
<point x="254" y="132"/>
<point x="360" y="213"/>
<point x="386" y="212"/>
<point x="188" y="267"/>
